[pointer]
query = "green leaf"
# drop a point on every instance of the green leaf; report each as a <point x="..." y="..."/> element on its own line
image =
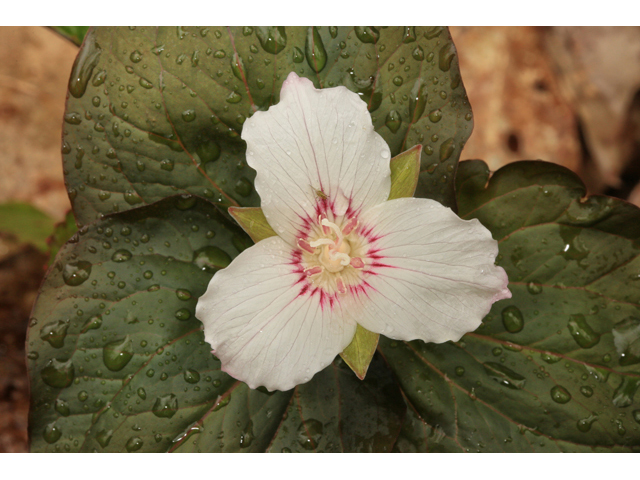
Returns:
<point x="336" y="412"/>
<point x="117" y="358"/>
<point x="73" y="34"/>
<point x="555" y="368"/>
<point x="359" y="353"/>
<point x="118" y="362"/>
<point x="62" y="232"/>
<point x="157" y="111"/>
<point x="405" y="172"/>
<point x="252" y="221"/>
<point x="26" y="223"/>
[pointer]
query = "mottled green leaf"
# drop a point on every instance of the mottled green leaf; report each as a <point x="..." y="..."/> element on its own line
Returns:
<point x="117" y="358"/>
<point x="157" y="111"/>
<point x="118" y="361"/>
<point x="337" y="412"/>
<point x="554" y="368"/>
<point x="26" y="223"/>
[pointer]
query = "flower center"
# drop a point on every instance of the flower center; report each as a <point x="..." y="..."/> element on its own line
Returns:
<point x="331" y="256"/>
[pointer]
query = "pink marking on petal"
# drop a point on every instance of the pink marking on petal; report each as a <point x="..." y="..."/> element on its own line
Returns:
<point x="356" y="262"/>
<point x="303" y="290"/>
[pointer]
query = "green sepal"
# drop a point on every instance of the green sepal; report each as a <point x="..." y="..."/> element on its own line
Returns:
<point x="360" y="351"/>
<point x="405" y="170"/>
<point x="252" y="221"/>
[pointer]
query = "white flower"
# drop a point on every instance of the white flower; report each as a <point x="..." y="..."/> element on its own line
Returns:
<point x="407" y="268"/>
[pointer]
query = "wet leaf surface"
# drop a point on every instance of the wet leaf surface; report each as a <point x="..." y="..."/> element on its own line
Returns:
<point x="153" y="112"/>
<point x="118" y="361"/>
<point x="554" y="368"/>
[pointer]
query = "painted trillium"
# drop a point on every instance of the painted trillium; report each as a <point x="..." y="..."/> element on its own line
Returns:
<point x="344" y="254"/>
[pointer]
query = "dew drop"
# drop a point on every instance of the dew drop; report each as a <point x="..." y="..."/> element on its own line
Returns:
<point x="117" y="354"/>
<point x="246" y="436"/>
<point x="367" y="34"/>
<point x="131" y="197"/>
<point x="310" y="434"/>
<point x="512" y="319"/>
<point x="445" y="56"/>
<point x="183" y="314"/>
<point x="446" y="149"/>
<point x="393" y="121"/>
<point x="584" y="425"/>
<point x="586" y="391"/>
<point x="62" y="407"/>
<point x="120" y="256"/>
<point x="211" y="259"/>
<point x="233" y="98"/>
<point x="55" y="333"/>
<point x="243" y="187"/>
<point x="134" y="444"/>
<point x="418" y="100"/>
<point x="191" y="376"/>
<point x="86" y="61"/>
<point x="183" y="294"/>
<point x="534" y="288"/>
<point x="104" y="437"/>
<point x="51" y="433"/>
<point x="314" y="50"/>
<point x="560" y="394"/>
<point x="272" y="39"/>
<point x="582" y="332"/>
<point x="435" y="116"/>
<point x="418" y="54"/>
<point x="165" y="406"/>
<point x="58" y="374"/>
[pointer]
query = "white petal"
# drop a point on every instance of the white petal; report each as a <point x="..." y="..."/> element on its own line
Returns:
<point x="315" y="143"/>
<point x="264" y="325"/>
<point x="433" y="275"/>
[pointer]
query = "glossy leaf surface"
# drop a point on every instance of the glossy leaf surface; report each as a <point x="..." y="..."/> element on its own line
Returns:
<point x="118" y="361"/>
<point x="556" y="367"/>
<point x="157" y="111"/>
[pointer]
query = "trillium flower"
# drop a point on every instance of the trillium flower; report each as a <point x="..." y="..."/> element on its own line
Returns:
<point x="344" y="254"/>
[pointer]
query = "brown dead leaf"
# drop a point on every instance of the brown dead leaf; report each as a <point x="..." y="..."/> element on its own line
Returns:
<point x="35" y="64"/>
<point x="518" y="110"/>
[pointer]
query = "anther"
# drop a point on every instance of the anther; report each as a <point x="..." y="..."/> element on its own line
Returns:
<point x="342" y="288"/>
<point x="304" y="245"/>
<point x="313" y="271"/>
<point x="350" y="226"/>
<point x="356" y="262"/>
